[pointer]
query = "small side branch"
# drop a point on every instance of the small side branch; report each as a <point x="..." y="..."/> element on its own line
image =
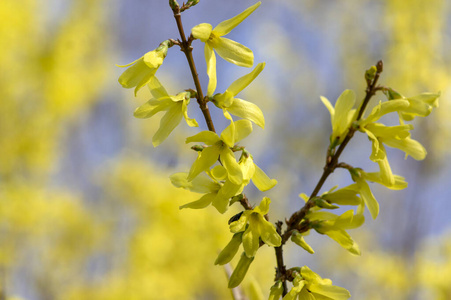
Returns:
<point x="332" y="160"/>
<point x="281" y="269"/>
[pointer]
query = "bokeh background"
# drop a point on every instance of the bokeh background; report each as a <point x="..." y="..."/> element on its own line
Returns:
<point x="86" y="207"/>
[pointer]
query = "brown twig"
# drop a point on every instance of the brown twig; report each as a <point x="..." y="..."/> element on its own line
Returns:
<point x="281" y="269"/>
<point x="185" y="46"/>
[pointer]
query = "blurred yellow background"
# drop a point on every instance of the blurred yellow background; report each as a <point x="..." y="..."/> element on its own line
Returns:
<point x="86" y="207"/>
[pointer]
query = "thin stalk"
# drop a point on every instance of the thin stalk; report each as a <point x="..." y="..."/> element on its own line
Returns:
<point x="330" y="166"/>
<point x="186" y="48"/>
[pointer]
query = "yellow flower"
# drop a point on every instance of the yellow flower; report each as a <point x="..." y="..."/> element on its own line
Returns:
<point x="229" y="50"/>
<point x="419" y="105"/>
<point x="220" y="147"/>
<point x="142" y="70"/>
<point x="343" y="196"/>
<point x="335" y="226"/>
<point x="395" y="137"/>
<point x="399" y="183"/>
<point x="298" y="239"/>
<point x="252" y="172"/>
<point x="362" y="187"/>
<point x="258" y="228"/>
<point x="216" y="193"/>
<point x="176" y="108"/>
<point x="239" y="107"/>
<point x="392" y="136"/>
<point x="276" y="291"/>
<point x="341" y="116"/>
<point x="309" y="285"/>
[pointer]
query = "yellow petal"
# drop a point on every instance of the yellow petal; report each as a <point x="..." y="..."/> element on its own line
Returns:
<point x="146" y="77"/>
<point x="247" y="110"/>
<point x="304" y="295"/>
<point x="234" y="52"/>
<point x="240" y="224"/>
<point x="242" y="82"/>
<point x="154" y="59"/>
<point x="384" y="108"/>
<point x="242" y="129"/>
<point x="156" y="88"/>
<point x="152" y="107"/>
<point x="340" y="236"/>
<point x="385" y="170"/>
<point x="202" y="31"/>
<point x="201" y="184"/>
<point x="240" y="270"/>
<point x="309" y="275"/>
<point x="203" y="202"/>
<point x="168" y="123"/>
<point x="422" y="105"/>
<point x="376" y="153"/>
<point x="227" y="191"/>
<point x="269" y="234"/>
<point x="223" y="100"/>
<point x="251" y="238"/>
<point x="136" y="75"/>
<point x="343" y="105"/>
<point x="189" y="121"/>
<point x="330" y="108"/>
<point x="226" y="26"/>
<point x="210" y="58"/>
<point x="399" y="184"/>
<point x="207" y="137"/>
<point x="386" y="132"/>
<point x="330" y="291"/>
<point x="344" y="196"/>
<point x="349" y="221"/>
<point x="228" y="134"/>
<point x="219" y="173"/>
<point x="263" y="207"/>
<point x="206" y="158"/>
<point x="227" y="254"/>
<point x="368" y="197"/>
<point x="129" y="64"/>
<point x="298" y="239"/>
<point x="235" y="174"/>
<point x="409" y="146"/>
<point x="262" y="181"/>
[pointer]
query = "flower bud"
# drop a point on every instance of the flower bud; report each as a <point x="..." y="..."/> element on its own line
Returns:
<point x="192" y="2"/>
<point x="228" y="253"/>
<point x="392" y="94"/>
<point x="276" y="291"/>
<point x="173" y="4"/>
<point x="370" y="73"/>
<point x="197" y="148"/>
<point x="320" y="202"/>
<point x="240" y="270"/>
<point x="298" y="239"/>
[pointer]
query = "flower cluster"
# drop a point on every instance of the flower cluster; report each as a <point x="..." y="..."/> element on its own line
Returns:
<point x="309" y="285"/>
<point x="216" y="173"/>
<point x="223" y="168"/>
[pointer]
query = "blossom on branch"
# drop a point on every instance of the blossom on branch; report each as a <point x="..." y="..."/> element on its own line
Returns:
<point x="341" y="116"/>
<point x="219" y="147"/>
<point x="176" y="108"/>
<point x="255" y="226"/>
<point x="309" y="285"/>
<point x="229" y="50"/>
<point x="239" y="107"/>
<point x="142" y="70"/>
